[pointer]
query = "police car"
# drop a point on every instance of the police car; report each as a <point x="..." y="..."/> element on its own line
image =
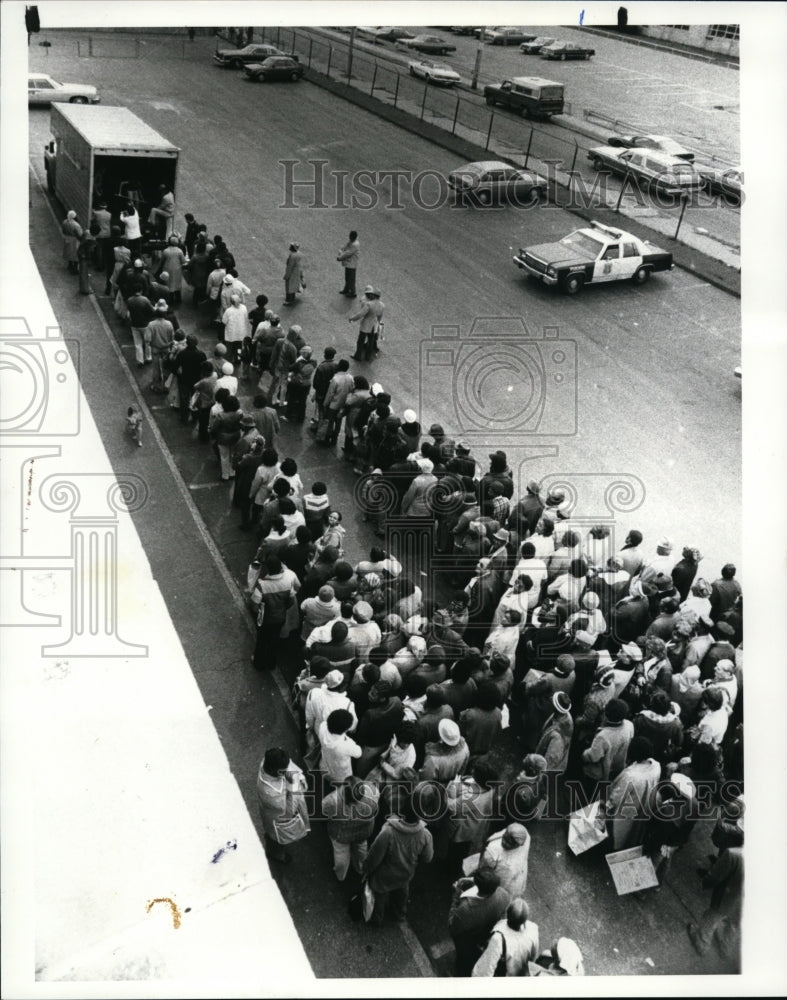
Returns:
<point x="591" y="256"/>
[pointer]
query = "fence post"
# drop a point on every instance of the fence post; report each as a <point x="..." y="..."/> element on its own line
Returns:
<point x="489" y="132"/>
<point x="684" y="200"/>
<point x="396" y="89"/>
<point x="456" y="113"/>
<point x="374" y="78"/>
<point x="529" y="144"/>
<point x="330" y="56"/>
<point x="423" y="103"/>
<point x="574" y="161"/>
<point x="311" y="43"/>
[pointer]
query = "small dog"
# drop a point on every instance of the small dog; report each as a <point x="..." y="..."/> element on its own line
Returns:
<point x="134" y="425"/>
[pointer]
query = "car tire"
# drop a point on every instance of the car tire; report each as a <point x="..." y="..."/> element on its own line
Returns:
<point x="295" y="76"/>
<point x="524" y="113"/>
<point x="572" y="284"/>
<point x="78" y="100"/>
<point x="484" y="197"/>
<point x="598" y="163"/>
<point x="641" y="276"/>
<point x="562" y="56"/>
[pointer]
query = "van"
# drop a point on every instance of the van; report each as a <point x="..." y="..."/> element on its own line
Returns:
<point x="532" y="96"/>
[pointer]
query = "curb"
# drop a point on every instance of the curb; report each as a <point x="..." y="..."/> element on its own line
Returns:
<point x="715" y="272"/>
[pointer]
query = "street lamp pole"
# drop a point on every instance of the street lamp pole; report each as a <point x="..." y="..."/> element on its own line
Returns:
<point x="477" y="67"/>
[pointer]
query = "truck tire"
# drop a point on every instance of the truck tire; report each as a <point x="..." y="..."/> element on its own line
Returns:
<point x="572" y="283"/>
<point x="524" y="112"/>
<point x="295" y="76"/>
<point x="598" y="163"/>
<point x="78" y="100"/>
<point x="641" y="276"/>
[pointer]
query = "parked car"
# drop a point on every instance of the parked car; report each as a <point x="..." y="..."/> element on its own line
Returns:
<point x="728" y="182"/>
<point x="392" y="34"/>
<point x="492" y="182"/>
<point x="464" y="29"/>
<point x="429" y="44"/>
<point x="235" y="58"/>
<point x="667" y="174"/>
<point x="508" y="36"/>
<point x="591" y="256"/>
<point x="661" y="142"/>
<point x="434" y="72"/>
<point x="274" y="68"/>
<point x="529" y="96"/>
<point x="42" y="89"/>
<point x="536" y="45"/>
<point x="566" y="50"/>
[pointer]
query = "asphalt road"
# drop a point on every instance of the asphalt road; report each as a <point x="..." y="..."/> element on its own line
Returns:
<point x="652" y="395"/>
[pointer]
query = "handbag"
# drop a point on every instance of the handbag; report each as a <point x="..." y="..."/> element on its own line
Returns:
<point x="367" y="902"/>
<point x="501" y="969"/>
<point x="380" y="331"/>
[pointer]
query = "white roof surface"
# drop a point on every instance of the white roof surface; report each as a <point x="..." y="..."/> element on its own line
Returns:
<point x="113" y="128"/>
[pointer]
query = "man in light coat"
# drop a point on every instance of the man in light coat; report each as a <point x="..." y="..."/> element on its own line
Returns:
<point x="370" y="315"/>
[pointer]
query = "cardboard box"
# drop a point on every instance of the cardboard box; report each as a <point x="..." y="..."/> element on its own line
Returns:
<point x="631" y="871"/>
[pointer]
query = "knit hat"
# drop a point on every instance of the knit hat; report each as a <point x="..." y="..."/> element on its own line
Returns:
<point x="449" y="732"/>
<point x="362" y="612"/>
<point x="334" y="679"/>
<point x="373" y="579"/>
<point x="220" y="348"/>
<point x="664" y="546"/>
<point x="591" y="600"/>
<point x="632" y="650"/>
<point x="517" y="833"/>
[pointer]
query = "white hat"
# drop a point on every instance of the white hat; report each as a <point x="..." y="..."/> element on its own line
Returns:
<point x="376" y="388"/>
<point x="334" y="679"/>
<point x="409" y="416"/>
<point x="227" y="369"/>
<point x="684" y="784"/>
<point x="449" y="732"/>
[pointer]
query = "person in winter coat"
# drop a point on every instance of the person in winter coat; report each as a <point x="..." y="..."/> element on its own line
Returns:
<point x="661" y="725"/>
<point x="299" y="384"/>
<point x="506" y="854"/>
<point x="226" y="432"/>
<point x="399" y="847"/>
<point x="627" y="808"/>
<point x="446" y="758"/>
<point x="293" y="275"/>
<point x="348" y="257"/>
<point x="350" y="811"/>
<point x="276" y="587"/>
<point x="337" y="749"/>
<point x="283" y="357"/>
<point x="86" y="252"/>
<point x="323" y="374"/>
<point x="172" y="262"/>
<point x="339" y="388"/>
<point x="160" y="335"/>
<point x="477" y="904"/>
<point x="470" y="807"/>
<point x="280" y="794"/>
<point x="514" y="938"/>
<point x="370" y="315"/>
<point x="196" y="273"/>
<point x="236" y="327"/>
<point x="554" y="743"/>
<point x="605" y="758"/>
<point x="188" y="370"/>
<point x="416" y="502"/>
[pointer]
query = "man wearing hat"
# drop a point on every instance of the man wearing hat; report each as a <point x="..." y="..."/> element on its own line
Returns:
<point x="525" y="515"/>
<point x="500" y="472"/>
<point x="463" y="463"/>
<point x="444" y="446"/>
<point x="446" y="758"/>
<point x="605" y="758"/>
<point x="319" y="610"/>
<point x="364" y="632"/>
<point x="293" y="275"/>
<point x="227" y="378"/>
<point x="159" y="336"/>
<point x="370" y="314"/>
<point x="662" y="562"/>
<point x="554" y="742"/>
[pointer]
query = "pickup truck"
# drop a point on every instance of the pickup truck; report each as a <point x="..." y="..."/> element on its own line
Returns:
<point x="529" y="96"/>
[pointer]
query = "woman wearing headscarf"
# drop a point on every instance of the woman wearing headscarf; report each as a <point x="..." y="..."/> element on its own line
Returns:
<point x="280" y="793"/>
<point x="683" y="572"/>
<point x="506" y="853"/>
<point x="524" y="798"/>
<point x="699" y="599"/>
<point x="293" y="275"/>
<point x="630" y="795"/>
<point x="72" y="234"/>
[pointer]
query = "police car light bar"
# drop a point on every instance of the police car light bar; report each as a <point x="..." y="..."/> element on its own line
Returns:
<point x="616" y="233"/>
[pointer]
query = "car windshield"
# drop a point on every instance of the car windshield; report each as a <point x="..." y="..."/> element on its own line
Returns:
<point x="583" y="241"/>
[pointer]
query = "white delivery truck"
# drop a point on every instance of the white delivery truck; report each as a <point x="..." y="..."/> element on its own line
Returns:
<point x="106" y="154"/>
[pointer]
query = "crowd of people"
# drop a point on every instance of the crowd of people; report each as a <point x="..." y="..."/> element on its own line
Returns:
<point x="617" y="675"/>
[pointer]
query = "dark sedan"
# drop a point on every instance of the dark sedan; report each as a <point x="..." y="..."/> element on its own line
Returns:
<point x="566" y="50"/>
<point x="235" y="58"/>
<point x="275" y="68"/>
<point x="429" y="44"/>
<point x="537" y="44"/>
<point x="494" y="182"/>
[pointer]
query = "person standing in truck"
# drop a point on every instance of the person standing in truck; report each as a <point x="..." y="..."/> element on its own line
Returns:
<point x="163" y="215"/>
<point x="72" y="234"/>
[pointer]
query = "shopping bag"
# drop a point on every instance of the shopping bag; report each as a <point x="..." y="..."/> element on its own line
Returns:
<point x="367" y="902"/>
<point x="586" y="828"/>
<point x="322" y="431"/>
